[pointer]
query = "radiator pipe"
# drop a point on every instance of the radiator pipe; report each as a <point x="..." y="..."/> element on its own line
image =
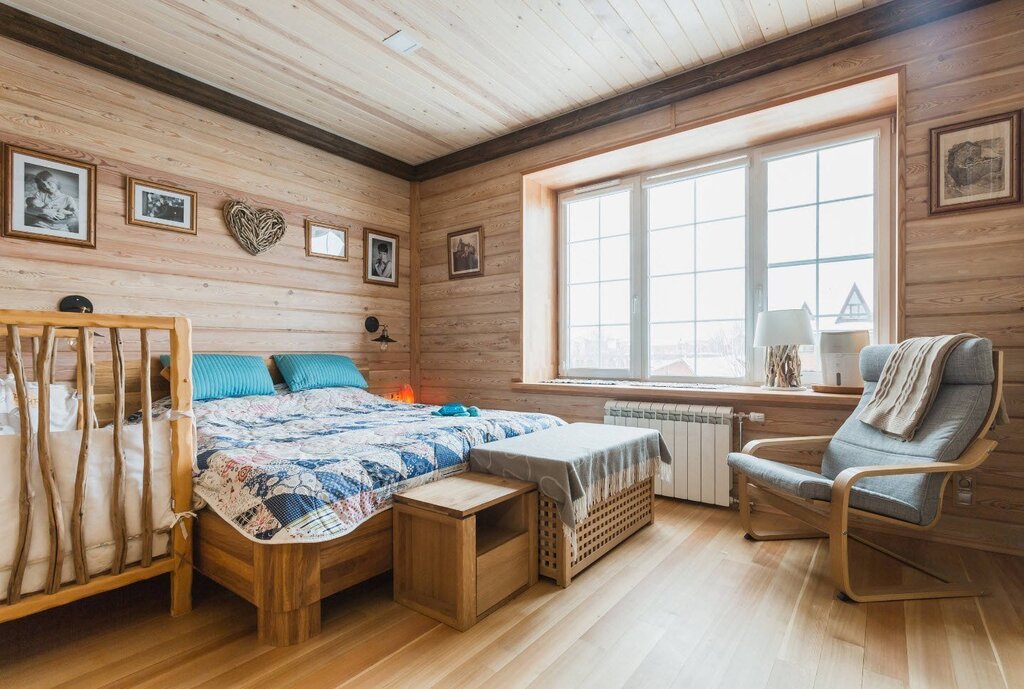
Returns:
<point x="753" y="417"/>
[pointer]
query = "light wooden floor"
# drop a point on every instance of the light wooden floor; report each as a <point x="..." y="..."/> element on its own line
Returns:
<point x="684" y="603"/>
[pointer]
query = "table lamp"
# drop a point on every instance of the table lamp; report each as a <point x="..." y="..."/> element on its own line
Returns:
<point x="781" y="333"/>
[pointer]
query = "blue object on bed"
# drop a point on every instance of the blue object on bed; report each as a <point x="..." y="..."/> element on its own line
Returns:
<point x="456" y="409"/>
<point x="215" y="376"/>
<point x="305" y="467"/>
<point x="311" y="371"/>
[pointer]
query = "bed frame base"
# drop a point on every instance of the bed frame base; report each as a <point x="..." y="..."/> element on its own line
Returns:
<point x="286" y="582"/>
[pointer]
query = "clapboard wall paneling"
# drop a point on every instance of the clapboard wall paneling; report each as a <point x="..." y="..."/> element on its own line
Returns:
<point x="279" y="301"/>
<point x="963" y="272"/>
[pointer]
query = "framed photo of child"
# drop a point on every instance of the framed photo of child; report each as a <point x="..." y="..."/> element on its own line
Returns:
<point x="49" y="198"/>
<point x="380" y="257"/>
<point x="466" y="253"/>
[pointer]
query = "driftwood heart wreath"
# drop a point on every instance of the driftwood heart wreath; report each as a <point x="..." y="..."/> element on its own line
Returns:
<point x="256" y="229"/>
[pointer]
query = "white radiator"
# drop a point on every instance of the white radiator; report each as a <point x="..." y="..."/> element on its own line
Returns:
<point x="699" y="438"/>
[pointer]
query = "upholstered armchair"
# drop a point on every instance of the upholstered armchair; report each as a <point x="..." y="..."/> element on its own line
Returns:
<point x="870" y="477"/>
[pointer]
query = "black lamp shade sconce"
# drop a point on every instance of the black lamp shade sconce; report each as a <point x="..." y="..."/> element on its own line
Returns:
<point x="75" y="303"/>
<point x="373" y="325"/>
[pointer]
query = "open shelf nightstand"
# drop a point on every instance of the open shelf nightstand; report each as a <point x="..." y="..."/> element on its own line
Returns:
<point x="464" y="545"/>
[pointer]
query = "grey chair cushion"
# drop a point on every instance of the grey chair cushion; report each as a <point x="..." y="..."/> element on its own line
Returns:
<point x="791" y="479"/>
<point x="968" y="364"/>
<point x="809" y="485"/>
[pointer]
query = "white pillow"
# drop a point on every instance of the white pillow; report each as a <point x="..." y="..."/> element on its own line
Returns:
<point x="63" y="406"/>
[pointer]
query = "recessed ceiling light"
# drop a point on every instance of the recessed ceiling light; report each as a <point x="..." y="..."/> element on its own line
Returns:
<point x="402" y="42"/>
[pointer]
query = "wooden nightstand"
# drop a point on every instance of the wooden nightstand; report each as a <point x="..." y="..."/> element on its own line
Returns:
<point x="464" y="545"/>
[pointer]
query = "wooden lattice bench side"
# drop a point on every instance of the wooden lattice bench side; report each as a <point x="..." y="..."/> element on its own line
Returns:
<point x="609" y="523"/>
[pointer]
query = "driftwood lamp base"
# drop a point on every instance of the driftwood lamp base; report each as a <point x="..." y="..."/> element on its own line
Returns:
<point x="782" y="368"/>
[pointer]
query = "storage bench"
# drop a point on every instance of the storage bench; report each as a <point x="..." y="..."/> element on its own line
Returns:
<point x="576" y="463"/>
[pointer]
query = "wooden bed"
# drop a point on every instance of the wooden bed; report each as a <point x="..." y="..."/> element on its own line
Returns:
<point x="44" y="329"/>
<point x="286" y="582"/>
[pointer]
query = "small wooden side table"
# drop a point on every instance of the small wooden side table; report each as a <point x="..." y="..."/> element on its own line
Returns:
<point x="464" y="545"/>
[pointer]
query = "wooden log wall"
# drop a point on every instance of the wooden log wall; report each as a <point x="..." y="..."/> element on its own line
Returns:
<point x="960" y="272"/>
<point x="276" y="302"/>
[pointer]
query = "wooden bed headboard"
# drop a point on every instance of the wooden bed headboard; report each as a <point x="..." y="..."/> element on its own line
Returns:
<point x="104" y="385"/>
<point x="65" y="369"/>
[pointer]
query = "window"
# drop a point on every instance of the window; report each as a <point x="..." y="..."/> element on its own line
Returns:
<point x="600" y="282"/>
<point x="696" y="268"/>
<point x="821" y="236"/>
<point x="663" y="273"/>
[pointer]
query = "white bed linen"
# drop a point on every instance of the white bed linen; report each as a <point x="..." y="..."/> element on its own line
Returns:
<point x="63" y="406"/>
<point x="96" y="522"/>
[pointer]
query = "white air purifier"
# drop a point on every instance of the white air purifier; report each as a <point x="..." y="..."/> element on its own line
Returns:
<point x="839" y="352"/>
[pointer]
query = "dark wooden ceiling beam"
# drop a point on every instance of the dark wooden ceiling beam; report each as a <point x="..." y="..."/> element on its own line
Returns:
<point x="853" y="30"/>
<point x="856" y="29"/>
<point x="39" y="33"/>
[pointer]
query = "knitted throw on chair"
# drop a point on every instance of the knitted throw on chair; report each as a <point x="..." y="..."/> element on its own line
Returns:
<point x="908" y="384"/>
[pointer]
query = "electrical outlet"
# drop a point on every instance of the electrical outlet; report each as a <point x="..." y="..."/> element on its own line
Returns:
<point x="964" y="489"/>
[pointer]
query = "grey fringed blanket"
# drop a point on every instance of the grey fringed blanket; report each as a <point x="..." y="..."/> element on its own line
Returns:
<point x="576" y="465"/>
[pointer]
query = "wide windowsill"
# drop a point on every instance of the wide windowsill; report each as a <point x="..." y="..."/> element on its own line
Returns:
<point x="740" y="394"/>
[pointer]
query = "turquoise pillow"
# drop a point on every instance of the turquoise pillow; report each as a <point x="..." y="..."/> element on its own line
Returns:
<point x="215" y="376"/>
<point x="309" y="371"/>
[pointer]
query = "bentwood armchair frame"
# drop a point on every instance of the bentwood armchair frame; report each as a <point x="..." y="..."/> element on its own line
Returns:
<point x="47" y="327"/>
<point x="832" y="518"/>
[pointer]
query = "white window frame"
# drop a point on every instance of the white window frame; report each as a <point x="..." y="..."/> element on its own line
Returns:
<point x="755" y="159"/>
<point x="581" y="194"/>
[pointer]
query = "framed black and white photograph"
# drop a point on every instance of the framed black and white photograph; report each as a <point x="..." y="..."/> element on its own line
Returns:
<point x="326" y="241"/>
<point x="380" y="257"/>
<point x="161" y="206"/>
<point x="975" y="164"/>
<point x="49" y="198"/>
<point x="466" y="253"/>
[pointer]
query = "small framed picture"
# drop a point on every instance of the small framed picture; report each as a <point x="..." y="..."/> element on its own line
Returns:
<point x="466" y="253"/>
<point x="975" y="164"/>
<point x="49" y="198"/>
<point x="326" y="241"/>
<point x="380" y="257"/>
<point x="160" y="206"/>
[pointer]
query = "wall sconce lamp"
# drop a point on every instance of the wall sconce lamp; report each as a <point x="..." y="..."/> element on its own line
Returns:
<point x="373" y="325"/>
<point x="75" y="303"/>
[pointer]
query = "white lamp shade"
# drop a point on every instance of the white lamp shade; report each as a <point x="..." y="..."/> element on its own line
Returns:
<point x="783" y="327"/>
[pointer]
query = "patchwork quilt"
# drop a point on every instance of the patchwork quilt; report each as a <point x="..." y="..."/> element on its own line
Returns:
<point x="311" y="466"/>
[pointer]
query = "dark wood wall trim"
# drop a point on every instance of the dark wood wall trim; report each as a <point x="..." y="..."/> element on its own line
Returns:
<point x="847" y="32"/>
<point x="856" y="29"/>
<point x="39" y="33"/>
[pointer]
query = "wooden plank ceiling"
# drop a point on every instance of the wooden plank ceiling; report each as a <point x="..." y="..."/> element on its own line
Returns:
<point x="486" y="68"/>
